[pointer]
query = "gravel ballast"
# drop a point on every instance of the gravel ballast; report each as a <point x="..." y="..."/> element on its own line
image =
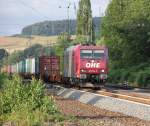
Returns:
<point x="128" y="108"/>
<point x="88" y="115"/>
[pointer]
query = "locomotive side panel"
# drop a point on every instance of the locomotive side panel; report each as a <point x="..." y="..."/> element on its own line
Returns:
<point x="68" y="62"/>
<point x="76" y="62"/>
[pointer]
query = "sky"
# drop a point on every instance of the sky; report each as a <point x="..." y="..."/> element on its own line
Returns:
<point x="16" y="14"/>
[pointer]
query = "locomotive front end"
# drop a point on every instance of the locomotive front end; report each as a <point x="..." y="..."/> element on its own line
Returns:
<point x="85" y="64"/>
<point x="93" y="64"/>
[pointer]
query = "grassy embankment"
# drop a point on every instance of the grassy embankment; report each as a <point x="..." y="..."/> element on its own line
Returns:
<point x="26" y="104"/>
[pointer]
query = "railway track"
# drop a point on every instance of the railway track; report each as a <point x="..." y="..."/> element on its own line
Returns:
<point x="119" y="94"/>
<point x="115" y="101"/>
<point x="130" y="96"/>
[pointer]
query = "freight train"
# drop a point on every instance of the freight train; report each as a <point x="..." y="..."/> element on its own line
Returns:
<point x="83" y="66"/>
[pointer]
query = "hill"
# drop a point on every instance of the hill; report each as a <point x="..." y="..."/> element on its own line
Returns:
<point x="50" y="28"/>
<point x="12" y="44"/>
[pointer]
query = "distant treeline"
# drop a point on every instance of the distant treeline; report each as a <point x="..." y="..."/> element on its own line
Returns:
<point x="49" y="28"/>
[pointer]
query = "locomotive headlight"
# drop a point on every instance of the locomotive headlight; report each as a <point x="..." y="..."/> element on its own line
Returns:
<point x="102" y="71"/>
<point x="82" y="70"/>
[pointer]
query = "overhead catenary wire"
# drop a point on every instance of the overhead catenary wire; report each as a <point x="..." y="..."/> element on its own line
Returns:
<point x="32" y="8"/>
<point x="12" y="24"/>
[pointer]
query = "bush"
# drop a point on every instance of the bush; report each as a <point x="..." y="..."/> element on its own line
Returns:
<point x="25" y="103"/>
<point x="115" y="75"/>
<point x="3" y="77"/>
<point x="136" y="76"/>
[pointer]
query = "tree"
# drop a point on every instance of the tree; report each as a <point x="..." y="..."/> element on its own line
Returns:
<point x="63" y="42"/>
<point x="85" y="25"/>
<point x="125" y="30"/>
<point x="3" y="53"/>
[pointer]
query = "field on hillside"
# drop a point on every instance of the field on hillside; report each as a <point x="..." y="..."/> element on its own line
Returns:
<point x="12" y="44"/>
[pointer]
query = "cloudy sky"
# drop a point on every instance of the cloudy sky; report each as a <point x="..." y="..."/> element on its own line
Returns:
<point x="15" y="14"/>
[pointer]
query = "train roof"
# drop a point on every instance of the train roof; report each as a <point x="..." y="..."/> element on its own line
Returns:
<point x="85" y="47"/>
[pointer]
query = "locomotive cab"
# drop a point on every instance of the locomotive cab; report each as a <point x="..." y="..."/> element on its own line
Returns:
<point x="85" y="63"/>
<point x="93" y="65"/>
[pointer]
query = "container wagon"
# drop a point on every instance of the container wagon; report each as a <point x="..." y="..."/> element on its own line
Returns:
<point x="55" y="69"/>
<point x="31" y="68"/>
<point x="49" y="67"/>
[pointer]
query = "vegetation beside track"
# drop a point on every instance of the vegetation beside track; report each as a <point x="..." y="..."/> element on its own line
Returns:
<point x="25" y="104"/>
<point x="125" y="31"/>
<point x="137" y="76"/>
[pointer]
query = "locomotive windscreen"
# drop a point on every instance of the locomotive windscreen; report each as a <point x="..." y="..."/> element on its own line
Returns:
<point x="86" y="54"/>
<point x="96" y="54"/>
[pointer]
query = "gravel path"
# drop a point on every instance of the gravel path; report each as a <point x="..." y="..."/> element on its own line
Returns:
<point x="88" y="115"/>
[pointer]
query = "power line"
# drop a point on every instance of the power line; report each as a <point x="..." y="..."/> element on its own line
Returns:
<point x="35" y="10"/>
<point x="12" y="24"/>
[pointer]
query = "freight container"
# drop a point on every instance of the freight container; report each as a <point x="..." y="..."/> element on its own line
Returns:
<point x="8" y="69"/>
<point x="55" y="63"/>
<point x="50" y="68"/>
<point x="28" y="66"/>
<point x="55" y="69"/>
<point x="44" y="67"/>
<point x="21" y="67"/>
<point x="32" y="66"/>
<point x="14" y="68"/>
<point x="17" y="68"/>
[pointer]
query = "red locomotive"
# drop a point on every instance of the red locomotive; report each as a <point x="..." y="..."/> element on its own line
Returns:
<point x="85" y="63"/>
